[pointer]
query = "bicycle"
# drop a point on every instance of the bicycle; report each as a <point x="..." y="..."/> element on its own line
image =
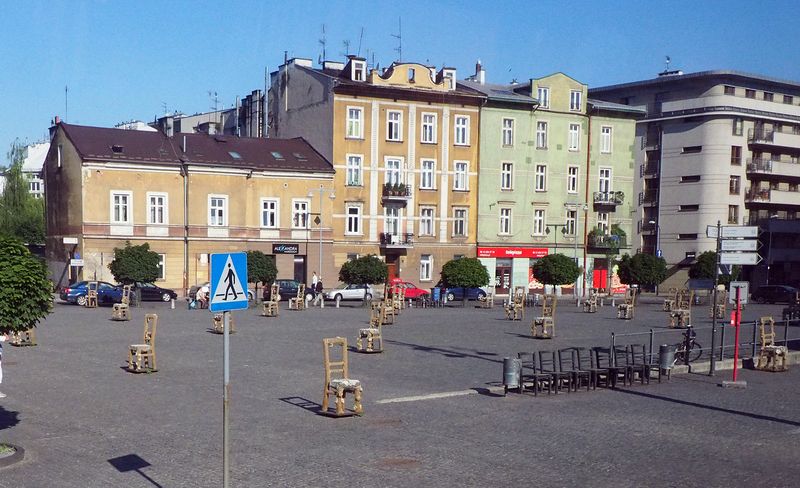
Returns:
<point x="694" y="348"/>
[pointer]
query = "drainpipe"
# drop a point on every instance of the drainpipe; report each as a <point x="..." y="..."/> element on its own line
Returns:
<point x="185" y="175"/>
<point x="586" y="195"/>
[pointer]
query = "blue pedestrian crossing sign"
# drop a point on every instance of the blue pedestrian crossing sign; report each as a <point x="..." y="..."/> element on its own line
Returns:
<point x="228" y="282"/>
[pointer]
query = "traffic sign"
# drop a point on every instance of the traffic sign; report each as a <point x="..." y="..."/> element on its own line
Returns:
<point x="733" y="231"/>
<point x="746" y="258"/>
<point x="76" y="262"/>
<point x="658" y="253"/>
<point x="228" y="282"/>
<point x="739" y="245"/>
<point x="745" y="287"/>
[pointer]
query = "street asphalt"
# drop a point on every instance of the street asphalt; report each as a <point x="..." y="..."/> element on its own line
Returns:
<point x="434" y="412"/>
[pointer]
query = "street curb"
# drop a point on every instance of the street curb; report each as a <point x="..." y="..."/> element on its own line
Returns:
<point x="704" y="367"/>
<point x="18" y="456"/>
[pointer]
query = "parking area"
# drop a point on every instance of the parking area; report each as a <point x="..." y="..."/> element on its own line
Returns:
<point x="433" y="414"/>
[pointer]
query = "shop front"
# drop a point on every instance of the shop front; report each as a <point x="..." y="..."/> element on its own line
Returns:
<point x="510" y="267"/>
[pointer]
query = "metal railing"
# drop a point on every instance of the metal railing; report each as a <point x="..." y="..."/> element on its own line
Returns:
<point x="760" y="135"/>
<point x="401" y="239"/>
<point x="757" y="195"/>
<point x="758" y="165"/>
<point x="608" y="197"/>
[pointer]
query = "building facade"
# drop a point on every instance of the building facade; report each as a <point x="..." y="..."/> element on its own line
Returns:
<point x="404" y="143"/>
<point x="187" y="196"/>
<point x="715" y="146"/>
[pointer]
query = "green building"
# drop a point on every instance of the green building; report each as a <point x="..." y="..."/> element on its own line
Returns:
<point x="556" y="176"/>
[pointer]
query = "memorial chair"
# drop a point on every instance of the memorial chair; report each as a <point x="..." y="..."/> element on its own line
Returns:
<point x="91" y="295"/>
<point x="548" y="365"/>
<point x="337" y="379"/>
<point x="590" y="304"/>
<point x="298" y="302"/>
<point x="626" y="308"/>
<point x="142" y="357"/>
<point x="515" y="309"/>
<point x="370" y="339"/>
<point x="672" y="299"/>
<point x="771" y="357"/>
<point x="218" y="324"/>
<point x="680" y="319"/>
<point x="567" y="362"/>
<point x="269" y="308"/>
<point x="530" y="374"/>
<point x="720" y="307"/>
<point x="544" y="326"/>
<point x="122" y="310"/>
<point x="486" y="301"/>
<point x="23" y="338"/>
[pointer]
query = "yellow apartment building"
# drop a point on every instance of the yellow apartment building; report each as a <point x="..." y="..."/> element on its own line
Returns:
<point x="187" y="196"/>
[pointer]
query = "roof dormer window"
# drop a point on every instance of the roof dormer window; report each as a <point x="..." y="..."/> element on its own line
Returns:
<point x="449" y="78"/>
<point x="359" y="70"/>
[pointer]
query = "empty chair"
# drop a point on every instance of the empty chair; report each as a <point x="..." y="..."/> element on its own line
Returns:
<point x="337" y="377"/>
<point x="585" y="362"/>
<point x="771" y="357"/>
<point x="548" y="365"/>
<point x="218" y="324"/>
<point x="122" y="310"/>
<point x="270" y="306"/>
<point x="373" y="336"/>
<point x="142" y="357"/>
<point x="638" y="356"/>
<point x="606" y="373"/>
<point x="567" y="362"/>
<point x="530" y="373"/>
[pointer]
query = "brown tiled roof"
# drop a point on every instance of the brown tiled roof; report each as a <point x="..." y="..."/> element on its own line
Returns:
<point x="132" y="146"/>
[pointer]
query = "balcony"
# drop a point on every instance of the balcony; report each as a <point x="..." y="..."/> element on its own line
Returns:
<point x="758" y="165"/>
<point x="396" y="194"/>
<point x="396" y="241"/>
<point x="608" y="198"/>
<point x="645" y="227"/>
<point x="757" y="195"/>
<point x="772" y="137"/>
<point x="648" y="197"/>
<point x="650" y="169"/>
<point x="774" y="170"/>
<point x="608" y="242"/>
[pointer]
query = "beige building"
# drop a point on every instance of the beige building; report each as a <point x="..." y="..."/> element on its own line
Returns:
<point x="187" y="196"/>
<point x="404" y="143"/>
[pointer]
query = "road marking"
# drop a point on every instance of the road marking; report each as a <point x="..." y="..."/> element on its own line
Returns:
<point x="434" y="396"/>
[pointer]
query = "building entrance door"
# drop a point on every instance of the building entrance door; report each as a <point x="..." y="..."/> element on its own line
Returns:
<point x="391" y="266"/>
<point x="300" y="269"/>
<point x="502" y="280"/>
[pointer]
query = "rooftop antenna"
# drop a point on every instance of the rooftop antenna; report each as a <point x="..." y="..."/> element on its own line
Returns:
<point x="164" y="107"/>
<point x="346" y="44"/>
<point x="399" y="37"/>
<point x="214" y="99"/>
<point x="323" y="42"/>
<point x="666" y="64"/>
<point x="360" y="37"/>
<point x="66" y="103"/>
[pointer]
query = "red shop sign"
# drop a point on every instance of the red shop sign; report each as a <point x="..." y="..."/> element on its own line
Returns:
<point x="512" y="252"/>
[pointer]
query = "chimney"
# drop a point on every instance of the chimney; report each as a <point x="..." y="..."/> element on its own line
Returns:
<point x="54" y="125"/>
<point x="480" y="74"/>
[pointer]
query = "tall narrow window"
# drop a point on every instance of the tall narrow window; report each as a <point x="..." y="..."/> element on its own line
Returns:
<point x="393" y="176"/>
<point x="218" y="211"/>
<point x="355" y="122"/>
<point x="541" y="135"/>
<point x="572" y="216"/>
<point x="355" y="169"/>
<point x="507" y="176"/>
<point x="269" y="213"/>
<point x="459" y="222"/>
<point x="733" y="214"/>
<point x="605" y="139"/>
<point x="426" y="174"/>
<point x="157" y="209"/>
<point x="300" y="214"/>
<point x="120" y="208"/>
<point x="574" y="136"/>
<point x="162" y="269"/>
<point x="540" y="178"/>
<point x="394" y="125"/>
<point x="462" y="130"/>
<point x="353" y="219"/>
<point x="391" y="223"/>
<point x="604" y="180"/>
<point x="736" y="155"/>
<point x="538" y="222"/>
<point x="543" y="93"/>
<point x="738" y="126"/>
<point x="426" y="221"/>
<point x="505" y="221"/>
<point x="575" y="101"/>
<point x="428" y="128"/>
<point x="508" y="132"/>
<point x="602" y="222"/>
<point x="460" y="176"/>
<point x="426" y="267"/>
<point x="734" y="185"/>
<point x="572" y="179"/>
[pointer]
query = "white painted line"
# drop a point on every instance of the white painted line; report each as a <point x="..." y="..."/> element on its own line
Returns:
<point x="434" y="396"/>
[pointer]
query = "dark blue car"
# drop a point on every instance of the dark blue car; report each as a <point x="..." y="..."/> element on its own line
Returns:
<point x="106" y="292"/>
<point x="453" y="294"/>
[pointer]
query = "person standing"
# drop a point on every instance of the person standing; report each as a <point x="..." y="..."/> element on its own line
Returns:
<point x="3" y="338"/>
<point x="319" y="297"/>
<point x="314" y="280"/>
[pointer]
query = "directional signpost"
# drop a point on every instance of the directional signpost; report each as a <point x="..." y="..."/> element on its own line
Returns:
<point x="228" y="283"/>
<point x="740" y="258"/>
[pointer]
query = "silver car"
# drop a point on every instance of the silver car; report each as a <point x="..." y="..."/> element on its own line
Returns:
<point x="349" y="292"/>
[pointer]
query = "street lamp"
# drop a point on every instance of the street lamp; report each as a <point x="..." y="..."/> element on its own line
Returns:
<point x="575" y="207"/>
<point x="769" y="248"/>
<point x="658" y="249"/>
<point x="563" y="231"/>
<point x="318" y="220"/>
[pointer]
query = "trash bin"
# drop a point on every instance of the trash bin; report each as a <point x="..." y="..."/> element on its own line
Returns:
<point x="436" y="295"/>
<point x="666" y="356"/>
<point x="512" y="368"/>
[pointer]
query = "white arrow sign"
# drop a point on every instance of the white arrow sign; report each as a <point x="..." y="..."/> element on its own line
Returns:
<point x="730" y="231"/>
<point x="739" y="245"/>
<point x="746" y="258"/>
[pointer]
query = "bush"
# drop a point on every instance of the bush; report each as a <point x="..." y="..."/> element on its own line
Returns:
<point x="556" y="269"/>
<point x="25" y="291"/>
<point x="464" y="272"/>
<point x="642" y="269"/>
<point x="705" y="268"/>
<point x="134" y="263"/>
<point x="366" y="270"/>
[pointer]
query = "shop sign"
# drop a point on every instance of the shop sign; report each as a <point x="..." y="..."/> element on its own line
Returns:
<point x="512" y="252"/>
<point x="285" y="248"/>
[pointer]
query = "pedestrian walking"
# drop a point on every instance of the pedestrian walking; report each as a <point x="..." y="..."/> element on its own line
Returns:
<point x="314" y="280"/>
<point x="3" y="338"/>
<point x="319" y="298"/>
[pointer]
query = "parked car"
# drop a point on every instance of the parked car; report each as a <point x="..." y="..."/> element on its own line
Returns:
<point x="453" y="294"/>
<point x="106" y="292"/>
<point x="288" y="289"/>
<point x="411" y="289"/>
<point x="153" y="293"/>
<point x="350" y="292"/>
<point x="193" y="291"/>
<point x="773" y="294"/>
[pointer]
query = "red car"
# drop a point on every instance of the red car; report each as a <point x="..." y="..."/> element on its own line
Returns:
<point x="411" y="289"/>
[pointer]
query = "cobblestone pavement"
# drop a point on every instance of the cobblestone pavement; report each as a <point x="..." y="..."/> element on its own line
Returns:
<point x="433" y="414"/>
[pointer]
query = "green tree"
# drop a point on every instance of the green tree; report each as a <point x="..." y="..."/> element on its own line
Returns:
<point x="556" y="269"/>
<point x="366" y="270"/>
<point x="134" y="263"/>
<point x="642" y="269"/>
<point x="25" y="292"/>
<point x="261" y="268"/>
<point x="466" y="273"/>
<point x="705" y="267"/>
<point x="21" y="214"/>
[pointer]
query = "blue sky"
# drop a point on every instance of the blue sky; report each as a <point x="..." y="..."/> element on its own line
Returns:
<point x="125" y="60"/>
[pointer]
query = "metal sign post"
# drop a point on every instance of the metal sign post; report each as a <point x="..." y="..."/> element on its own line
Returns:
<point x="714" y="314"/>
<point x="226" y="398"/>
<point x="737" y="321"/>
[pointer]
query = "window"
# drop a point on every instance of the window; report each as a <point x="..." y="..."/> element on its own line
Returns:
<point x="604" y="180"/>
<point x="459" y="222"/>
<point x="574" y="136"/>
<point x="540" y="177"/>
<point x="687" y="237"/>
<point x="426" y="174"/>
<point x="768" y="97"/>
<point x="426" y="221"/>
<point x="538" y="222"/>
<point x="508" y="132"/>
<point x="353" y="219"/>
<point x="217" y="210"/>
<point x="300" y="214"/>
<point x="460" y="179"/>
<point x="426" y="267"/>
<point x="749" y="93"/>
<point x="788" y="99"/>
<point x="572" y="179"/>
<point x="505" y="221"/>
<point x="507" y="176"/>
<point x="605" y="139"/>
<point x="34" y="186"/>
<point x="394" y="125"/>
<point x="735" y="184"/>
<point x="359" y="70"/>
<point x="428" y="128"/>
<point x="393" y="171"/>
<point x="411" y="73"/>
<point x="688" y="208"/>
<point x="355" y="170"/>
<point x="269" y="213"/>
<point x="690" y="179"/>
<point x="462" y="130"/>
<point x="602" y="222"/>
<point x="692" y="149"/>
<point x="736" y="155"/>
<point x="121" y="208"/>
<point x="352" y="256"/>
<point x="543" y="94"/>
<point x="575" y="101"/>
<point x="541" y="135"/>
<point x="729" y="90"/>
<point x="355" y="122"/>
<point x="738" y="126"/>
<point x="572" y="216"/>
<point x="162" y="272"/>
<point x="391" y="223"/>
<point x="157" y="209"/>
<point x="733" y="214"/>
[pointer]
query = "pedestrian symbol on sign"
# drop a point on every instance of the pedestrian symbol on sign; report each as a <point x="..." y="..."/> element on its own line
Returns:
<point x="228" y="278"/>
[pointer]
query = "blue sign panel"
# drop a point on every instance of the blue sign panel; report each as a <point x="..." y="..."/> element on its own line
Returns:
<point x="228" y="282"/>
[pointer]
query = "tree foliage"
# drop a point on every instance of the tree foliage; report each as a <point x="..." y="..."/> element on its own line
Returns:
<point x="25" y="291"/>
<point x="21" y="214"/>
<point x="642" y="269"/>
<point x="261" y="268"/>
<point x="464" y="272"/>
<point x="366" y="270"/>
<point x="134" y="263"/>
<point x="556" y="269"/>
<point x="705" y="267"/>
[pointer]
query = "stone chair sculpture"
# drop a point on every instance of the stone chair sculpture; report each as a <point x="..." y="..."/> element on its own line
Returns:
<point x="337" y="377"/>
<point x="122" y="310"/>
<point x="626" y="308"/>
<point x="370" y="339"/>
<point x="299" y="302"/>
<point x="23" y="338"/>
<point x="771" y="357"/>
<point x="218" y="324"/>
<point x="590" y="304"/>
<point x="486" y="301"/>
<point x="543" y="326"/>
<point x="91" y="296"/>
<point x="269" y="308"/>
<point x="515" y="309"/>
<point x="142" y="357"/>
